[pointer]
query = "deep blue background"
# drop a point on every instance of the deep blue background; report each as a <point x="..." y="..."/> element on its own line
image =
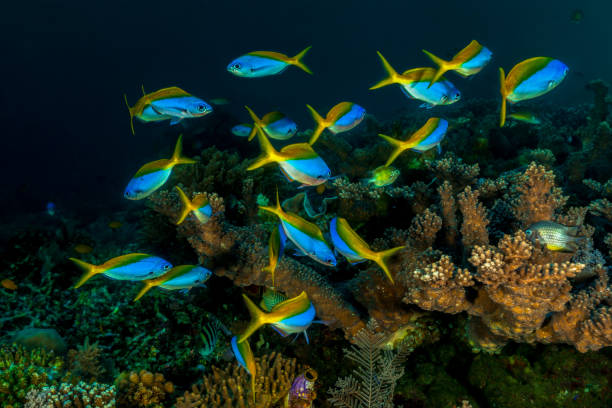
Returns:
<point x="66" y="64"/>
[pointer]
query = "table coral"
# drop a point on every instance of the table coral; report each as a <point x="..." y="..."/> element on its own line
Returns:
<point x="230" y="387"/>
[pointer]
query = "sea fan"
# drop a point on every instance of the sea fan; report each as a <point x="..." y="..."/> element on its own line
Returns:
<point x="372" y="384"/>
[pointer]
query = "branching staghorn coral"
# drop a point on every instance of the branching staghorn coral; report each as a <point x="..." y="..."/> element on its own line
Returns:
<point x="81" y="395"/>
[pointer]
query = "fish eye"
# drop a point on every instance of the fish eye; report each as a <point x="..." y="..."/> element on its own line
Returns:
<point x="236" y="66"/>
<point x="166" y="267"/>
<point x="201" y="107"/>
<point x="528" y="232"/>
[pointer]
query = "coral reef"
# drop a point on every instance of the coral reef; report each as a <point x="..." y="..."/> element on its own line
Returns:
<point x="142" y="389"/>
<point x="80" y="395"/>
<point x="22" y="370"/>
<point x="230" y="386"/>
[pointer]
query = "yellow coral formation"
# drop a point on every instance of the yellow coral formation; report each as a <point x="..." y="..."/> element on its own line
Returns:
<point x="142" y="389"/>
<point x="230" y="387"/>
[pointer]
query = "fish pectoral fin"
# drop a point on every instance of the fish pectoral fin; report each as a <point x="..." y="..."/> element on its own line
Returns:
<point x="156" y="110"/>
<point x="175" y="121"/>
<point x="439" y="149"/>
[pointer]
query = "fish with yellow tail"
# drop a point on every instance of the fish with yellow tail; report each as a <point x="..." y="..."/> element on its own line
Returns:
<point x="292" y="316"/>
<point x="341" y="118"/>
<point x="263" y="63"/>
<point x="133" y="266"/>
<point x="469" y="61"/>
<point x="171" y="103"/>
<point x="305" y="235"/>
<point x="526" y="117"/>
<point x="244" y="356"/>
<point x="427" y="137"/>
<point x="529" y="79"/>
<point x="383" y="176"/>
<point x="554" y="236"/>
<point x="276" y="247"/>
<point x="153" y="175"/>
<point x="355" y="249"/>
<point x="414" y="83"/>
<point x="199" y="206"/>
<point x="298" y="162"/>
<point x="182" y="277"/>
<point x="274" y="124"/>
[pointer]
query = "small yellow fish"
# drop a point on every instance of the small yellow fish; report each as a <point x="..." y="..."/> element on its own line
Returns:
<point x="526" y="117"/>
<point x="115" y="224"/>
<point x="556" y="237"/>
<point x="82" y="249"/>
<point x="8" y="284"/>
<point x="383" y="176"/>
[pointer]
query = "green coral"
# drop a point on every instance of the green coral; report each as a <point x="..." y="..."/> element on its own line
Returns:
<point x="22" y="370"/>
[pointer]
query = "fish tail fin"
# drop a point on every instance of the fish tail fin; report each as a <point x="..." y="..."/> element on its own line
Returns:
<point x="131" y="111"/>
<point x="187" y="206"/>
<point x="398" y="148"/>
<point x="297" y="60"/>
<point x="268" y="153"/>
<point x="321" y="125"/>
<point x="257" y="122"/>
<point x="258" y="319"/>
<point x="392" y="77"/>
<point x="148" y="284"/>
<point x="276" y="210"/>
<point x="504" y="93"/>
<point x="177" y="156"/>
<point x="382" y="257"/>
<point x="89" y="269"/>
<point x="443" y="66"/>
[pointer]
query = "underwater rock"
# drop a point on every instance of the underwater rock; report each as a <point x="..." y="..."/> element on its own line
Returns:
<point x="48" y="339"/>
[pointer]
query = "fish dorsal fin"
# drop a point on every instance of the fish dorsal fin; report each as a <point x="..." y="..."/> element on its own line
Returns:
<point x="349" y="236"/>
<point x="338" y="111"/>
<point x="270" y="54"/>
<point x="299" y="151"/>
<point x="420" y="74"/>
<point x="272" y="117"/>
<point x="469" y="52"/>
<point x="524" y="70"/>
<point x="171" y="92"/>
<point x="297" y="304"/>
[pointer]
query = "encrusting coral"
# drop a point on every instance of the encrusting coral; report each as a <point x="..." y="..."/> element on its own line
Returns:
<point x="230" y="386"/>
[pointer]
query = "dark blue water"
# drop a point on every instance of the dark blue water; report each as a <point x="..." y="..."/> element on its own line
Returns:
<point x="66" y="65"/>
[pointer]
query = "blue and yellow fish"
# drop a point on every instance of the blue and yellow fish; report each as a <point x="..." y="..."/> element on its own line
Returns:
<point x="274" y="124"/>
<point x="200" y="206"/>
<point x="182" y="277"/>
<point x="305" y="235"/>
<point x="276" y="247"/>
<point x="524" y="116"/>
<point x="469" y="61"/>
<point x="341" y="118"/>
<point x="348" y="243"/>
<point x="291" y="316"/>
<point x="415" y="85"/>
<point x="244" y="355"/>
<point x="242" y="130"/>
<point x="153" y="175"/>
<point x="427" y="137"/>
<point x="383" y="176"/>
<point x="125" y="267"/>
<point x="263" y="63"/>
<point x="298" y="162"/>
<point x="529" y="79"/>
<point x="168" y="103"/>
